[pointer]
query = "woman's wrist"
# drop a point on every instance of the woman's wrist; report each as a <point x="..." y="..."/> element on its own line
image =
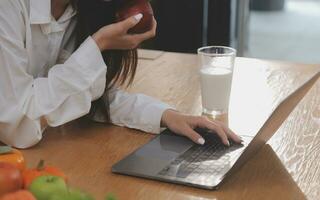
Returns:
<point x="97" y="37"/>
<point x="166" y="114"/>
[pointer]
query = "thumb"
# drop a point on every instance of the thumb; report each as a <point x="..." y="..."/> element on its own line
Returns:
<point x="132" y="21"/>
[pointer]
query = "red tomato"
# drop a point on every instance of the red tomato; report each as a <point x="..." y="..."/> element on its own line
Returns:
<point x="10" y="178"/>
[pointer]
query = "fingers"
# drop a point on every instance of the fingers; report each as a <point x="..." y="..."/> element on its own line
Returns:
<point x="203" y="122"/>
<point x="222" y="130"/>
<point x="131" y="22"/>
<point x="184" y="125"/>
<point x="138" y="38"/>
<point x="147" y="35"/>
<point x="194" y="136"/>
<point x="230" y="133"/>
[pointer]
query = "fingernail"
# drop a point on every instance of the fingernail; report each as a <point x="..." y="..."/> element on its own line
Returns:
<point x="138" y="16"/>
<point x="201" y="141"/>
<point x="228" y="143"/>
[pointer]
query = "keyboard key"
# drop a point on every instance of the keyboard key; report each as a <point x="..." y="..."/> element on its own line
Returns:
<point x="209" y="159"/>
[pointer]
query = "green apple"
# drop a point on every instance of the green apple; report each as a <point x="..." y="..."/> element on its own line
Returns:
<point x="110" y="197"/>
<point x="79" y="195"/>
<point x="43" y="187"/>
<point x="72" y="194"/>
<point x="59" y="197"/>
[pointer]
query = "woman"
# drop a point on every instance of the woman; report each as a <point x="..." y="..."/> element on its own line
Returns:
<point x="63" y="59"/>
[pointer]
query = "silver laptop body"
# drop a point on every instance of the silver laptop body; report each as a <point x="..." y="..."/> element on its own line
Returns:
<point x="172" y="158"/>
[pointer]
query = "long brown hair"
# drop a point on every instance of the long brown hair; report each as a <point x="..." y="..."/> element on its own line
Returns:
<point x="121" y="64"/>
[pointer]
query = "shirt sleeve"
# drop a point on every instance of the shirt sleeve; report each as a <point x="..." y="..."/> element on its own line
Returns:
<point x="64" y="95"/>
<point x="136" y="111"/>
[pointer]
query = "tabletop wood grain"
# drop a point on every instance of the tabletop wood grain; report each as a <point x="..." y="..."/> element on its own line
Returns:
<point x="287" y="168"/>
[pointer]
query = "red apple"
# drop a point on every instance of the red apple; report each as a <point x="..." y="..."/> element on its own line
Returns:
<point x="130" y="8"/>
<point x="10" y="178"/>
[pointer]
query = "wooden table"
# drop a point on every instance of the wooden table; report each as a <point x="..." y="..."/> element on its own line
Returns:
<point x="286" y="168"/>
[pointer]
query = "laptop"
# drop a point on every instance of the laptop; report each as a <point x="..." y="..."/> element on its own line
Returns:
<point x="175" y="159"/>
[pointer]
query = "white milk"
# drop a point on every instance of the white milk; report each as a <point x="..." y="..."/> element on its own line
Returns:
<point x="215" y="88"/>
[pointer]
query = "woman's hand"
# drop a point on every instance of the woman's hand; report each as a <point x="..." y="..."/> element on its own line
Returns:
<point x="115" y="36"/>
<point x="185" y="125"/>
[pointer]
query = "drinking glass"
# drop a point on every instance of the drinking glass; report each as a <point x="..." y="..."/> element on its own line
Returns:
<point x="216" y="70"/>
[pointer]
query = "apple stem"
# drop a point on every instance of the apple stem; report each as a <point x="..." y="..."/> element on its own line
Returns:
<point x="40" y="165"/>
<point x="50" y="179"/>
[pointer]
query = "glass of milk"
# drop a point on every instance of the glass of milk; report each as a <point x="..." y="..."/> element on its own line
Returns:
<point x="216" y="71"/>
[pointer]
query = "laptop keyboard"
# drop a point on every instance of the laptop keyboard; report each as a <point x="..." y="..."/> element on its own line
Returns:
<point x="210" y="159"/>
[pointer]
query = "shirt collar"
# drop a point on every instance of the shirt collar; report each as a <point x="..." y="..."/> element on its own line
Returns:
<point x="68" y="14"/>
<point x="40" y="11"/>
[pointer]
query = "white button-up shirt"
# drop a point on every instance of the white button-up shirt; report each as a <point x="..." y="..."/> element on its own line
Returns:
<point x="42" y="76"/>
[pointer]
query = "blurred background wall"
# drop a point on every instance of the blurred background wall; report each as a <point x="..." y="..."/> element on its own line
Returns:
<point x="270" y="29"/>
<point x="290" y="34"/>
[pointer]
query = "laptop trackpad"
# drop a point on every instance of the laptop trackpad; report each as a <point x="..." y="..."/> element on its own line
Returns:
<point x="155" y="155"/>
<point x="165" y="147"/>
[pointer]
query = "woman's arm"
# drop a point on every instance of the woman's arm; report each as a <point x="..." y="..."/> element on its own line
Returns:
<point x="64" y="95"/>
<point x="145" y="113"/>
<point x="27" y="104"/>
<point x="136" y="111"/>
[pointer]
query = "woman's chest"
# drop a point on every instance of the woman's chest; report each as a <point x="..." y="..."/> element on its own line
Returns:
<point x="48" y="45"/>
